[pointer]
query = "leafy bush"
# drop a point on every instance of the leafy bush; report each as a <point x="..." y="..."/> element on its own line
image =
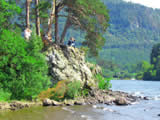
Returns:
<point x="73" y="89"/>
<point x="64" y="90"/>
<point x="85" y="92"/>
<point x="8" y="10"/>
<point x="4" y="96"/>
<point x="59" y="90"/>
<point x="103" y="83"/>
<point x="23" y="69"/>
<point x="56" y="93"/>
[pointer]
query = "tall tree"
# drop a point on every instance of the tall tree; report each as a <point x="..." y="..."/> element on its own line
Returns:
<point x="56" y="24"/>
<point x="28" y="13"/>
<point x="67" y="25"/>
<point x="37" y="18"/>
<point x="50" y="20"/>
<point x="90" y="16"/>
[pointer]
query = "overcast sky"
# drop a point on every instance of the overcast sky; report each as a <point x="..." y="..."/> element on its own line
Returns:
<point x="149" y="3"/>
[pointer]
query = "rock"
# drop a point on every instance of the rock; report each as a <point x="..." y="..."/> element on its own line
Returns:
<point x="79" y="101"/>
<point x="108" y="100"/>
<point x="15" y="105"/>
<point x="95" y="69"/>
<point x="91" y="100"/>
<point x="4" y="106"/>
<point x="121" y="101"/>
<point x="47" y="102"/>
<point x="68" y="63"/>
<point x="18" y="105"/>
<point x="69" y="102"/>
<point x="55" y="103"/>
<point x="146" y="98"/>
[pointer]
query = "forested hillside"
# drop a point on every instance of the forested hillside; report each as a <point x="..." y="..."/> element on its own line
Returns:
<point x="133" y="30"/>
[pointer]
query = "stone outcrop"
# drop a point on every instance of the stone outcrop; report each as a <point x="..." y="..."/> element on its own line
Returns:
<point x="48" y="102"/>
<point x="15" y="105"/>
<point x="68" y="63"/>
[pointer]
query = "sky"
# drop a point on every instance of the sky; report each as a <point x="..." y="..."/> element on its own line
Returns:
<point x="148" y="3"/>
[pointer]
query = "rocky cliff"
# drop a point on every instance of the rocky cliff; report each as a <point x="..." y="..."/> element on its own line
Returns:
<point x="68" y="63"/>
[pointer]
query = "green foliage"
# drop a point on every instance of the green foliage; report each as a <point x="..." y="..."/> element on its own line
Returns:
<point x="23" y="69"/>
<point x="73" y="89"/>
<point x="7" y="11"/>
<point x="96" y="17"/>
<point x="129" y="38"/>
<point x="90" y="17"/>
<point x="4" y="96"/>
<point x="131" y="34"/>
<point x="153" y="71"/>
<point x="64" y="90"/>
<point x="85" y="92"/>
<point x="155" y="55"/>
<point x="103" y="83"/>
<point x="84" y="49"/>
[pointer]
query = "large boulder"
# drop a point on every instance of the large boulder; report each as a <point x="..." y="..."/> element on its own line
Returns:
<point x="121" y="101"/>
<point x="68" y="63"/>
<point x="47" y="102"/>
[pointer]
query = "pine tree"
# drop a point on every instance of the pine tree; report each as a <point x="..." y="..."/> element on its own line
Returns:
<point x="37" y="18"/>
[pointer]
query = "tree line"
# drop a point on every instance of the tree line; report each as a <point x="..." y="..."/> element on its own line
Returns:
<point x="90" y="17"/>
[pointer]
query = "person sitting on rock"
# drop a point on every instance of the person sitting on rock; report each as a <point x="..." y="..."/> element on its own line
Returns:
<point x="71" y="42"/>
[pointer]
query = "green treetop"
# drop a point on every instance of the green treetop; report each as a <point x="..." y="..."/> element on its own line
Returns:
<point x="7" y="11"/>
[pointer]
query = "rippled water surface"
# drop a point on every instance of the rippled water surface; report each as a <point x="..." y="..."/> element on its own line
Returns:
<point x="144" y="110"/>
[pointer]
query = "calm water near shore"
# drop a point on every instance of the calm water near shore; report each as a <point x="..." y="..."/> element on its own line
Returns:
<point x="144" y="110"/>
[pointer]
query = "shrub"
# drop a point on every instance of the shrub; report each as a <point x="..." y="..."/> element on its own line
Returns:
<point x="103" y="83"/>
<point x="59" y="90"/>
<point x="73" y="89"/>
<point x="23" y="69"/>
<point x="85" y="92"/>
<point x="4" y="96"/>
<point x="64" y="90"/>
<point x="46" y="94"/>
<point x="56" y="93"/>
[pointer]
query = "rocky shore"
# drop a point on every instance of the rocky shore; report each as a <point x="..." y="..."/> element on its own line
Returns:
<point x="15" y="105"/>
<point x="95" y="97"/>
<point x="98" y="97"/>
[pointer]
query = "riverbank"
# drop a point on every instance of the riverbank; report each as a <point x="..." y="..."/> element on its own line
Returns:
<point x="95" y="97"/>
<point x="15" y="105"/>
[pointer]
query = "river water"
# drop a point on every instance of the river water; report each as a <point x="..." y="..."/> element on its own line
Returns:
<point x="143" y="110"/>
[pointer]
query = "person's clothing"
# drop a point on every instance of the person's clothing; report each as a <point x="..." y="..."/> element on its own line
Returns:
<point x="71" y="43"/>
<point x="27" y="33"/>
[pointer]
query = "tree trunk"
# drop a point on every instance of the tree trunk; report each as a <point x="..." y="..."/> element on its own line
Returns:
<point x="65" y="30"/>
<point x="27" y="13"/>
<point x="37" y="19"/>
<point x="50" y="20"/>
<point x="56" y="27"/>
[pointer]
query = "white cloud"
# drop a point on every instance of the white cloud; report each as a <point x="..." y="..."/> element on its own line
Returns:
<point x="149" y="3"/>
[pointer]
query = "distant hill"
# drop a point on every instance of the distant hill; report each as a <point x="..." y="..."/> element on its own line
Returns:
<point x="133" y="30"/>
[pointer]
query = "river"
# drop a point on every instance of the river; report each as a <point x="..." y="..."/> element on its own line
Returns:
<point x="143" y="110"/>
